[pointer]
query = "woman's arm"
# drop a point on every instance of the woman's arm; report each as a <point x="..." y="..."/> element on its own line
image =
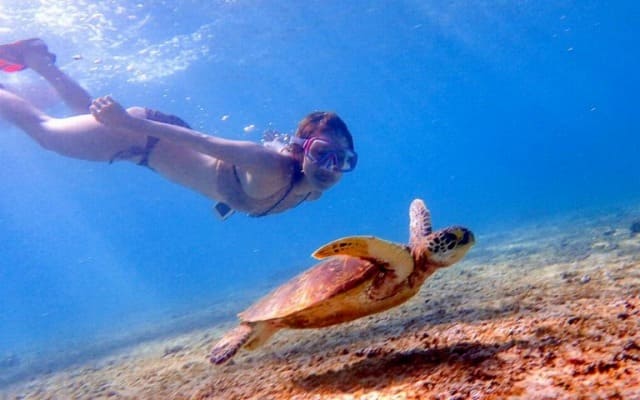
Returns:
<point x="242" y="153"/>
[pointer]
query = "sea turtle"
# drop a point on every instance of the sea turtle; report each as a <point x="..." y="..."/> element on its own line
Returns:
<point x="362" y="275"/>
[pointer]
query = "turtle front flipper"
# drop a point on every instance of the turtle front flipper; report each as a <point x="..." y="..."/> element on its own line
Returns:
<point x="230" y="343"/>
<point x="395" y="257"/>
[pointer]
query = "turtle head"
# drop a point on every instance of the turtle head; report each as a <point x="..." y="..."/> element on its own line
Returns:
<point x="447" y="246"/>
<point x="442" y="248"/>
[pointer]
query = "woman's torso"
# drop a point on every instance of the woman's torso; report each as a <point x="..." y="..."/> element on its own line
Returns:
<point x="221" y="181"/>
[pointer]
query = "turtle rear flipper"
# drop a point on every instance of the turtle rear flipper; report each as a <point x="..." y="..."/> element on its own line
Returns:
<point x="230" y="344"/>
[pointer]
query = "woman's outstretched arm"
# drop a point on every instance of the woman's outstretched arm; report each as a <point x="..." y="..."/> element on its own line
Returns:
<point x="242" y="153"/>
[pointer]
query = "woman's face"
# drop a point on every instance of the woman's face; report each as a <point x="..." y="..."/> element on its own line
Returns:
<point x="326" y="156"/>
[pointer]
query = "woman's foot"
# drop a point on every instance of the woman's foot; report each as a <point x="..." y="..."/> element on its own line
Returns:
<point x="29" y="53"/>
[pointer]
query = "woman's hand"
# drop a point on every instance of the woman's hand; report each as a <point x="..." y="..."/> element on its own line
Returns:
<point x="109" y="112"/>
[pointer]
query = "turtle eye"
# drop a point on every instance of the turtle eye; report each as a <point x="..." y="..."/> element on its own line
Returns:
<point x="450" y="238"/>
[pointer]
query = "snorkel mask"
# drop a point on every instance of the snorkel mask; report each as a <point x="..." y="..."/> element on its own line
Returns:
<point x="327" y="155"/>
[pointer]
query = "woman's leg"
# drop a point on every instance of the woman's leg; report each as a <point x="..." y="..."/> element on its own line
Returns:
<point x="36" y="56"/>
<point x="79" y="136"/>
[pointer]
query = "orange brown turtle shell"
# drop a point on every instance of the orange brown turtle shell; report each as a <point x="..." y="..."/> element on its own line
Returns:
<point x="334" y="276"/>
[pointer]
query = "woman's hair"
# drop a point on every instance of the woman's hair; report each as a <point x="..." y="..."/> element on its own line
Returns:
<point x="324" y="122"/>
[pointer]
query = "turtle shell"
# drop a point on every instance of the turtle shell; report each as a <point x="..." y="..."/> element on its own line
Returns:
<point x="318" y="284"/>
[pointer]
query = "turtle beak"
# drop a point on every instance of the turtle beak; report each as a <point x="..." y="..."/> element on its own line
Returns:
<point x="465" y="237"/>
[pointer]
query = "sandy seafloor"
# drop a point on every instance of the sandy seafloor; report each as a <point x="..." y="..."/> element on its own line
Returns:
<point x="548" y="311"/>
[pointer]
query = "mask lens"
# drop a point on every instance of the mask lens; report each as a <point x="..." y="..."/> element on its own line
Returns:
<point x="350" y="161"/>
<point x="327" y="156"/>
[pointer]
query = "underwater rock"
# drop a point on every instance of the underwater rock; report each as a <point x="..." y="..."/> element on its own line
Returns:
<point x="604" y="246"/>
<point x="174" y="349"/>
<point x="9" y="361"/>
<point x="635" y="228"/>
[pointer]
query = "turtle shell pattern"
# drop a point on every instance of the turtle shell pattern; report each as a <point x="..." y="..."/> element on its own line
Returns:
<point x="317" y="297"/>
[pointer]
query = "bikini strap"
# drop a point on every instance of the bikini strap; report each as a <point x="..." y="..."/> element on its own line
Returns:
<point x="223" y="206"/>
<point x="148" y="148"/>
<point x="277" y="203"/>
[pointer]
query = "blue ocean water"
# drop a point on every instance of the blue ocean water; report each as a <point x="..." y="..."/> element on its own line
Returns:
<point x="496" y="113"/>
